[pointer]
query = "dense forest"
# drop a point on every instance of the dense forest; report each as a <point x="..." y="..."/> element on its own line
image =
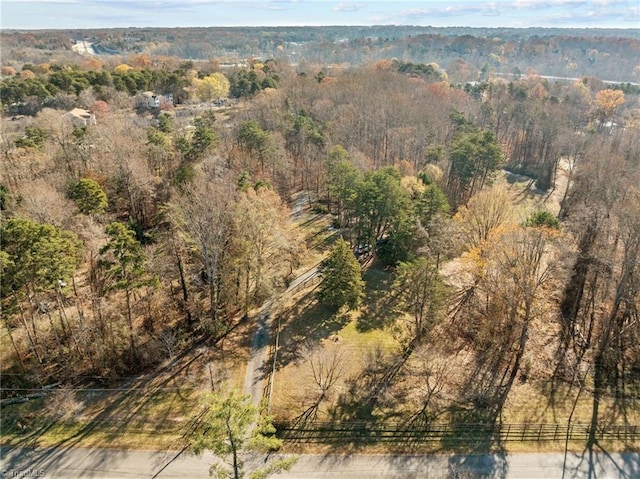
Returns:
<point x="131" y="238"/>
<point x="607" y="54"/>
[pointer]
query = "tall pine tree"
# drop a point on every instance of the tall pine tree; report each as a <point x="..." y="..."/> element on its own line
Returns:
<point x="342" y="283"/>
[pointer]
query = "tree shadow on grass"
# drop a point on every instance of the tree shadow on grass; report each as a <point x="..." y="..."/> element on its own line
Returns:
<point x="138" y="406"/>
<point x="474" y="431"/>
<point x="378" y="308"/>
<point x="25" y="423"/>
<point x="625" y="396"/>
<point x="307" y="321"/>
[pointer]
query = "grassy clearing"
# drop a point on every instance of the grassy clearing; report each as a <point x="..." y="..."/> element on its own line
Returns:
<point x="27" y="426"/>
<point x="358" y="333"/>
<point x="528" y="199"/>
<point x="143" y="416"/>
<point x="312" y="335"/>
<point x="536" y="403"/>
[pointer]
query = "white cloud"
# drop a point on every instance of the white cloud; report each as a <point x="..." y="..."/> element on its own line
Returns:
<point x="348" y="7"/>
<point x="507" y="13"/>
<point x="40" y="1"/>
<point x="541" y="5"/>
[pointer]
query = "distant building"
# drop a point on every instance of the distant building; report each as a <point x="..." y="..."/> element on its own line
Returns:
<point x="80" y="117"/>
<point x="166" y="101"/>
<point x="149" y="99"/>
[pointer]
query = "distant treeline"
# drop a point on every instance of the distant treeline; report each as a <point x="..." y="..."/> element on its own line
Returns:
<point x="599" y="53"/>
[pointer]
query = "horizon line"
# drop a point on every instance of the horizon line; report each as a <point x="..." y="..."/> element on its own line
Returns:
<point x="5" y="29"/>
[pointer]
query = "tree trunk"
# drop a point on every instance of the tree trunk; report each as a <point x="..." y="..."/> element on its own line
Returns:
<point x="213" y="301"/>
<point x="132" y="340"/>
<point x="55" y="334"/>
<point x="32" y="308"/>
<point x="13" y="343"/>
<point x="247" y="289"/>
<point x="183" y="285"/>
<point x="32" y="341"/>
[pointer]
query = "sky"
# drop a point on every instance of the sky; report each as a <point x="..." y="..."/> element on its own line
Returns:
<point x="66" y="14"/>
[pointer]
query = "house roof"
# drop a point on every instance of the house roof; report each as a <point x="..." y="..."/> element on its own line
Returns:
<point x="78" y="113"/>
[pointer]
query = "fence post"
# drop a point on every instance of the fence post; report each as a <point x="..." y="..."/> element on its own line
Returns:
<point x="273" y="368"/>
<point x="390" y="432"/>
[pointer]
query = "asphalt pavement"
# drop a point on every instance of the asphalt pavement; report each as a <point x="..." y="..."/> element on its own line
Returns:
<point x="115" y="464"/>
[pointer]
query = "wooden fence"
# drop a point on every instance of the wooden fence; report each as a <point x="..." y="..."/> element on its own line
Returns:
<point x="364" y="432"/>
<point x="314" y="279"/>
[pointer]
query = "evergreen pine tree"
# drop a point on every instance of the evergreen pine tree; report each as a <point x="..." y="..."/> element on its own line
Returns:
<point x="342" y="283"/>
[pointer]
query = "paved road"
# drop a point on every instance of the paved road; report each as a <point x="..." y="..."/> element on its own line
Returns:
<point x="254" y="381"/>
<point x="257" y="367"/>
<point x="114" y="464"/>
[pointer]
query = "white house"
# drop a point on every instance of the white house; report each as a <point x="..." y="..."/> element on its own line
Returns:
<point x="148" y="99"/>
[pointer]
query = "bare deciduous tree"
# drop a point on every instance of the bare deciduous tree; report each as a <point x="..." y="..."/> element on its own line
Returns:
<point x="325" y="368"/>
<point x="204" y="214"/>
